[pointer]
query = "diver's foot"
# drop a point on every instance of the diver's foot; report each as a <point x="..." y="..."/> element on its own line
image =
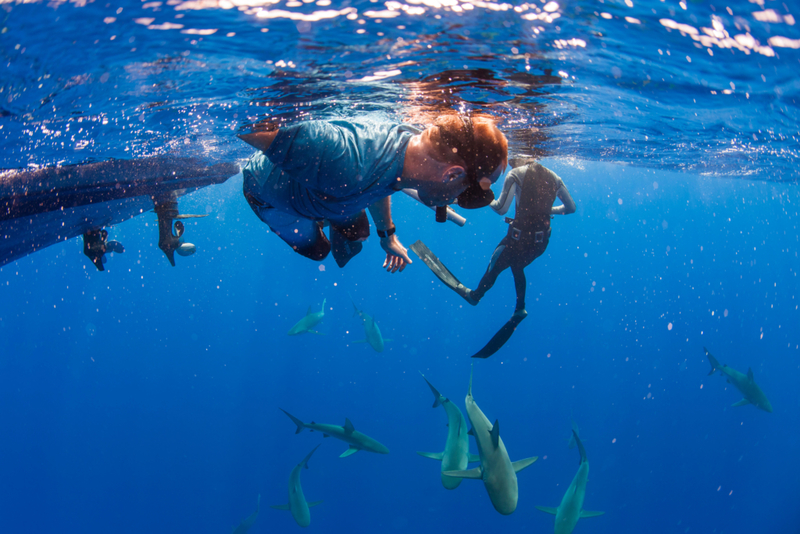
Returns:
<point x="468" y="295"/>
<point x="520" y="314"/>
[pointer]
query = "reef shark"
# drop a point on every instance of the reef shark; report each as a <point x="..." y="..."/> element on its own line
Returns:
<point x="498" y="472"/>
<point x="456" y="454"/>
<point x="347" y="433"/>
<point x="308" y="322"/>
<point x="571" y="507"/>
<point x="371" y="330"/>
<point x="575" y="432"/>
<point x="297" y="501"/>
<point x="746" y="384"/>
<point x="245" y="525"/>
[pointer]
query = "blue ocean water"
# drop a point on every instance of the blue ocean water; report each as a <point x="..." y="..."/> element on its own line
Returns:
<point x="145" y="398"/>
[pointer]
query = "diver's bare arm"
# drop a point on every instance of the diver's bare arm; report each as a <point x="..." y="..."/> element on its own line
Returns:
<point x="568" y="205"/>
<point x="259" y="140"/>
<point x="396" y="254"/>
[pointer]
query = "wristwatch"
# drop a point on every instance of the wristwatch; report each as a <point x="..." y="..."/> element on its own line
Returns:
<point x="386" y="233"/>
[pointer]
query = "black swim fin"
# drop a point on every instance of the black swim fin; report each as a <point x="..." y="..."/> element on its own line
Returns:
<point x="438" y="268"/>
<point x="502" y="335"/>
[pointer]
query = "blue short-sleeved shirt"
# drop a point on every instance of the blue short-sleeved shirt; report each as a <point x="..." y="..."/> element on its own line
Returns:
<point x="329" y="169"/>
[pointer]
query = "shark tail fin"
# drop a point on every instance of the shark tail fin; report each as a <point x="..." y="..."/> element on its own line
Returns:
<point x="432" y="455"/>
<point x="587" y="513"/>
<point x="743" y="402"/>
<point x="436" y="395"/>
<point x="304" y="463"/>
<point x="715" y="366"/>
<point x="298" y="422"/>
<point x="548" y="509"/>
<point x="579" y="443"/>
<point x="355" y="308"/>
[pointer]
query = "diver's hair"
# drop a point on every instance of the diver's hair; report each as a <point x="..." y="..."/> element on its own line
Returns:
<point x="473" y="141"/>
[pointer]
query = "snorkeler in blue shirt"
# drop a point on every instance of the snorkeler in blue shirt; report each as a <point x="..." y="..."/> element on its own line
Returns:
<point x="327" y="173"/>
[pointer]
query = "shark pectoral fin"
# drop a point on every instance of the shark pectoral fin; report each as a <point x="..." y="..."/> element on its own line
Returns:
<point x="548" y="509"/>
<point x="587" y="513"/>
<point x="348" y="426"/>
<point x="326" y="435"/>
<point x="359" y="341"/>
<point x="348" y="452"/>
<point x="469" y="473"/>
<point x="742" y="402"/>
<point x="474" y="458"/>
<point x="280" y="506"/>
<point x="432" y="455"/>
<point x="312" y="504"/>
<point x="519" y="465"/>
<point x="495" y="433"/>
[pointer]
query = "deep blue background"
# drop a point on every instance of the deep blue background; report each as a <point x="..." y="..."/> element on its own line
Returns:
<point x="146" y="398"/>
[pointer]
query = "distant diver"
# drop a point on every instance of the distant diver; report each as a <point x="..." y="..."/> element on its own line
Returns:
<point x="745" y="383"/>
<point x="96" y="244"/>
<point x="314" y="173"/>
<point x="535" y="188"/>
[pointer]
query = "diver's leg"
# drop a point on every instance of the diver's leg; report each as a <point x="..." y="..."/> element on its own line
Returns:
<point x="305" y="236"/>
<point x="501" y="260"/>
<point x="520" y="285"/>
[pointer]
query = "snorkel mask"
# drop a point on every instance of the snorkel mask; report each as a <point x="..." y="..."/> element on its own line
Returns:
<point x="474" y="196"/>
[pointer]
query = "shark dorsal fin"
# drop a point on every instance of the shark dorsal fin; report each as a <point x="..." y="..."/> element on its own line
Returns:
<point x="348" y="426"/>
<point x="310" y="310"/>
<point x="323" y="306"/>
<point x="750" y="374"/>
<point x="471" y="432"/>
<point x="495" y="433"/>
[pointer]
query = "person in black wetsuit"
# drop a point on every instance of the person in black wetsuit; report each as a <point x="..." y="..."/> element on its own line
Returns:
<point x="535" y="188"/>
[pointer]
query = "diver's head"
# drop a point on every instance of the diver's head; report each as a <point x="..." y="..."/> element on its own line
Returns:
<point x="476" y="151"/>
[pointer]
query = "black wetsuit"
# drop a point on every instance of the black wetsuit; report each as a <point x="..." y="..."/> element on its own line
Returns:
<point x="528" y="233"/>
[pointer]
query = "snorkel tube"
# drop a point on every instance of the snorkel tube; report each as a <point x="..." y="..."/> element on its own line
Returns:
<point x="443" y="213"/>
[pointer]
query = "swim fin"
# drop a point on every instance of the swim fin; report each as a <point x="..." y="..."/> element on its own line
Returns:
<point x="438" y="268"/>
<point x="502" y="335"/>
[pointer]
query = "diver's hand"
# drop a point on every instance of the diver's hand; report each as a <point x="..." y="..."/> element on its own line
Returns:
<point x="396" y="254"/>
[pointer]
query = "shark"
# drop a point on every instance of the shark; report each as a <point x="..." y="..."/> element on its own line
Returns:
<point x="571" y="507"/>
<point x="498" y="472"/>
<point x="346" y="433"/>
<point x="456" y="454"/>
<point x="245" y="525"/>
<point x="308" y="322"/>
<point x="297" y="501"/>
<point x="371" y="330"/>
<point x="575" y="432"/>
<point x="746" y="384"/>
